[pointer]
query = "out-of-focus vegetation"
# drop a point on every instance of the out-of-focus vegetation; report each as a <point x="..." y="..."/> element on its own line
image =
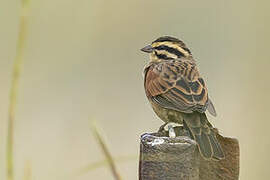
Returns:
<point x="106" y="152"/>
<point x="14" y="89"/>
<point x="82" y="58"/>
<point x="27" y="171"/>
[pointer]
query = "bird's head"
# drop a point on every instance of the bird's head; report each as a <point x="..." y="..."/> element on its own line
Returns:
<point x="166" y="48"/>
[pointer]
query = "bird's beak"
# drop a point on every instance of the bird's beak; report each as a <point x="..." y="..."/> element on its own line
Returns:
<point x="147" y="49"/>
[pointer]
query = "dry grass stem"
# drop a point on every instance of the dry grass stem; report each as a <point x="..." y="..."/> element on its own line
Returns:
<point x="27" y="171"/>
<point x="106" y="152"/>
<point x="100" y="164"/>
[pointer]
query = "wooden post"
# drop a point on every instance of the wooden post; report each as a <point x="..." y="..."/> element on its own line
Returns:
<point x="178" y="158"/>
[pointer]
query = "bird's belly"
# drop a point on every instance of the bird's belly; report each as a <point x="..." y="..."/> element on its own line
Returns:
<point x="168" y="115"/>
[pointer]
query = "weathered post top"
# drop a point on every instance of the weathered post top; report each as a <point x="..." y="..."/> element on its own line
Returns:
<point x="178" y="158"/>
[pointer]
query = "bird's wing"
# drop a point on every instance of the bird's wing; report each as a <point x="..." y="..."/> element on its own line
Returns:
<point x="177" y="85"/>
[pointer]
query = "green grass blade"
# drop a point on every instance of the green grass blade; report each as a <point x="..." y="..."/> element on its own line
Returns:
<point x="14" y="88"/>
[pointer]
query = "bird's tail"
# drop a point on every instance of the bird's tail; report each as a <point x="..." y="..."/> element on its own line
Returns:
<point x="203" y="133"/>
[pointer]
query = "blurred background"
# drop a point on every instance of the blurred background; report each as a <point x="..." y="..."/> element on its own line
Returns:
<point x="82" y="62"/>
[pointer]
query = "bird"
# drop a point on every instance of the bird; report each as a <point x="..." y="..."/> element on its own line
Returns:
<point x="178" y="94"/>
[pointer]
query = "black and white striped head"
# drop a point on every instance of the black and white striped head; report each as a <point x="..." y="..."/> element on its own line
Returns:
<point x="166" y="48"/>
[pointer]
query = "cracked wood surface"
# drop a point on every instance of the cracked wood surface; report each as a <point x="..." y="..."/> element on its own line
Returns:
<point x="178" y="158"/>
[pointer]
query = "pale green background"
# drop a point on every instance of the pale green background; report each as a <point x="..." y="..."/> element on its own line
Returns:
<point x="82" y="61"/>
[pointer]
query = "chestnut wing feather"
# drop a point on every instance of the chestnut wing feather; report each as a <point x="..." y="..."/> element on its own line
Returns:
<point x="177" y="85"/>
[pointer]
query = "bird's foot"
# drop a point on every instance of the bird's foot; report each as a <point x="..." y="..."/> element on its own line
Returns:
<point x="170" y="128"/>
<point x="171" y="131"/>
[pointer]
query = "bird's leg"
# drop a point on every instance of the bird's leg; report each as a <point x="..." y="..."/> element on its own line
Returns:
<point x="171" y="131"/>
<point x="162" y="128"/>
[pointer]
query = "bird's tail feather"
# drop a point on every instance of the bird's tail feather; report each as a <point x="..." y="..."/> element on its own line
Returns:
<point x="202" y="132"/>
